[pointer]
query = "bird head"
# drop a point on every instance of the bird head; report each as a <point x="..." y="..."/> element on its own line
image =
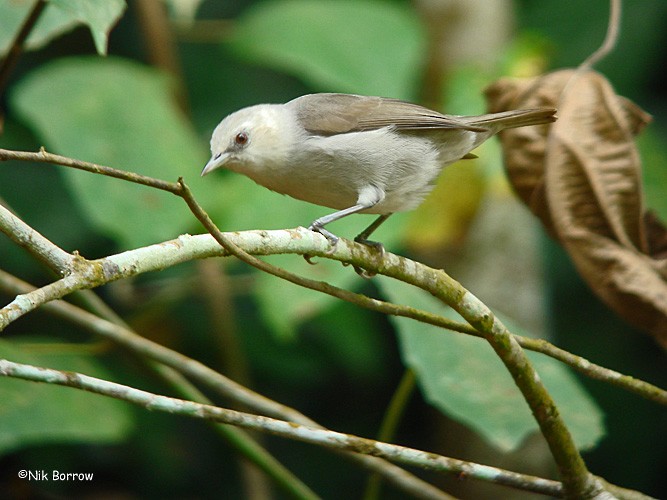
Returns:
<point x="251" y="140"/>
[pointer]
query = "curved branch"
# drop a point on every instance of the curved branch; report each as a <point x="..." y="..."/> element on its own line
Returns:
<point x="38" y="245"/>
<point x="308" y="434"/>
<point x="300" y="241"/>
<point x="577" y="480"/>
<point x="215" y="381"/>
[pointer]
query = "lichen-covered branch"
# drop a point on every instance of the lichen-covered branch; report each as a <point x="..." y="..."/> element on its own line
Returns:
<point x="207" y="377"/>
<point x="187" y="247"/>
<point x="88" y="274"/>
<point x="309" y="434"/>
<point x="32" y="241"/>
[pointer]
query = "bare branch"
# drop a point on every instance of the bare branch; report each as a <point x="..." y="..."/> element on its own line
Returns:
<point x="40" y="247"/>
<point x="186" y="248"/>
<point x="45" y="157"/>
<point x="299" y="241"/>
<point x="215" y="381"/>
<point x="577" y="480"/>
<point x="305" y="433"/>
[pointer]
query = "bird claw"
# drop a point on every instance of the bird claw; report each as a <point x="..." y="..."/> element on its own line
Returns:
<point x="309" y="258"/>
<point x="373" y="244"/>
<point x="363" y="273"/>
<point x="381" y="253"/>
<point x="333" y="239"/>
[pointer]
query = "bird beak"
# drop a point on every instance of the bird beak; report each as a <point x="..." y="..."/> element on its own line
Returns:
<point x="215" y="162"/>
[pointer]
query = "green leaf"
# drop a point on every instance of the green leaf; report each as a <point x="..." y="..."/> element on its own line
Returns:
<point x="119" y="114"/>
<point x="464" y="378"/>
<point x="59" y="17"/>
<point x="34" y="414"/>
<point x="365" y="47"/>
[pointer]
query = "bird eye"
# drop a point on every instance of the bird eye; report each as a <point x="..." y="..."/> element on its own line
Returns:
<point x="241" y="139"/>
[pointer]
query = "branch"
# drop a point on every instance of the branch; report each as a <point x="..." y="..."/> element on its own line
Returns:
<point x="39" y="246"/>
<point x="42" y="156"/>
<point x="213" y="380"/>
<point x="300" y="241"/>
<point x="290" y="430"/>
<point x="577" y="479"/>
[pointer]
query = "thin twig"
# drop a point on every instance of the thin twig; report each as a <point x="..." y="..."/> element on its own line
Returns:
<point x="577" y="479"/>
<point x="308" y="434"/>
<point x="187" y="248"/>
<point x="613" y="29"/>
<point x="16" y="47"/>
<point x="45" y="157"/>
<point x="215" y="381"/>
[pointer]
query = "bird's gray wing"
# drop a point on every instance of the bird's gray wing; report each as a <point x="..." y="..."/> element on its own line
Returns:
<point x="330" y="114"/>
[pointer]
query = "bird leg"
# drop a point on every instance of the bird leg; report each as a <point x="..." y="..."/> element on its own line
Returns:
<point x="318" y="224"/>
<point x="368" y="197"/>
<point x="362" y="237"/>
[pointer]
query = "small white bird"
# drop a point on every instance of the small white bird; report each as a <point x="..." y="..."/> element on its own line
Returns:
<point x="353" y="153"/>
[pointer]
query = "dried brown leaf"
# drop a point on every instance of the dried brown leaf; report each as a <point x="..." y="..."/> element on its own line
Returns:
<point x="582" y="177"/>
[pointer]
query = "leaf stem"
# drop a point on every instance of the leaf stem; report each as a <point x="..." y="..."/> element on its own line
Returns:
<point x="609" y="42"/>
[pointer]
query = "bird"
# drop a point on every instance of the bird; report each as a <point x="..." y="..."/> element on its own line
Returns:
<point x="353" y="153"/>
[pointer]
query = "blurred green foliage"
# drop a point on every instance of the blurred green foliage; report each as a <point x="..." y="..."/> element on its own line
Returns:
<point x="336" y="363"/>
<point x="135" y="126"/>
<point x="464" y="378"/>
<point x="61" y="16"/>
<point x="327" y="43"/>
<point x="41" y="415"/>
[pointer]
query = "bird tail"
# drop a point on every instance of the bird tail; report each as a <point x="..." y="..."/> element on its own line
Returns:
<point x="512" y="119"/>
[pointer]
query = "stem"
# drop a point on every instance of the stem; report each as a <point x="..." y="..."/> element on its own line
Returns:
<point x="390" y="423"/>
<point x="16" y="47"/>
<point x="215" y="381"/>
<point x="308" y="434"/>
<point x="240" y="441"/>
<point x="613" y="29"/>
